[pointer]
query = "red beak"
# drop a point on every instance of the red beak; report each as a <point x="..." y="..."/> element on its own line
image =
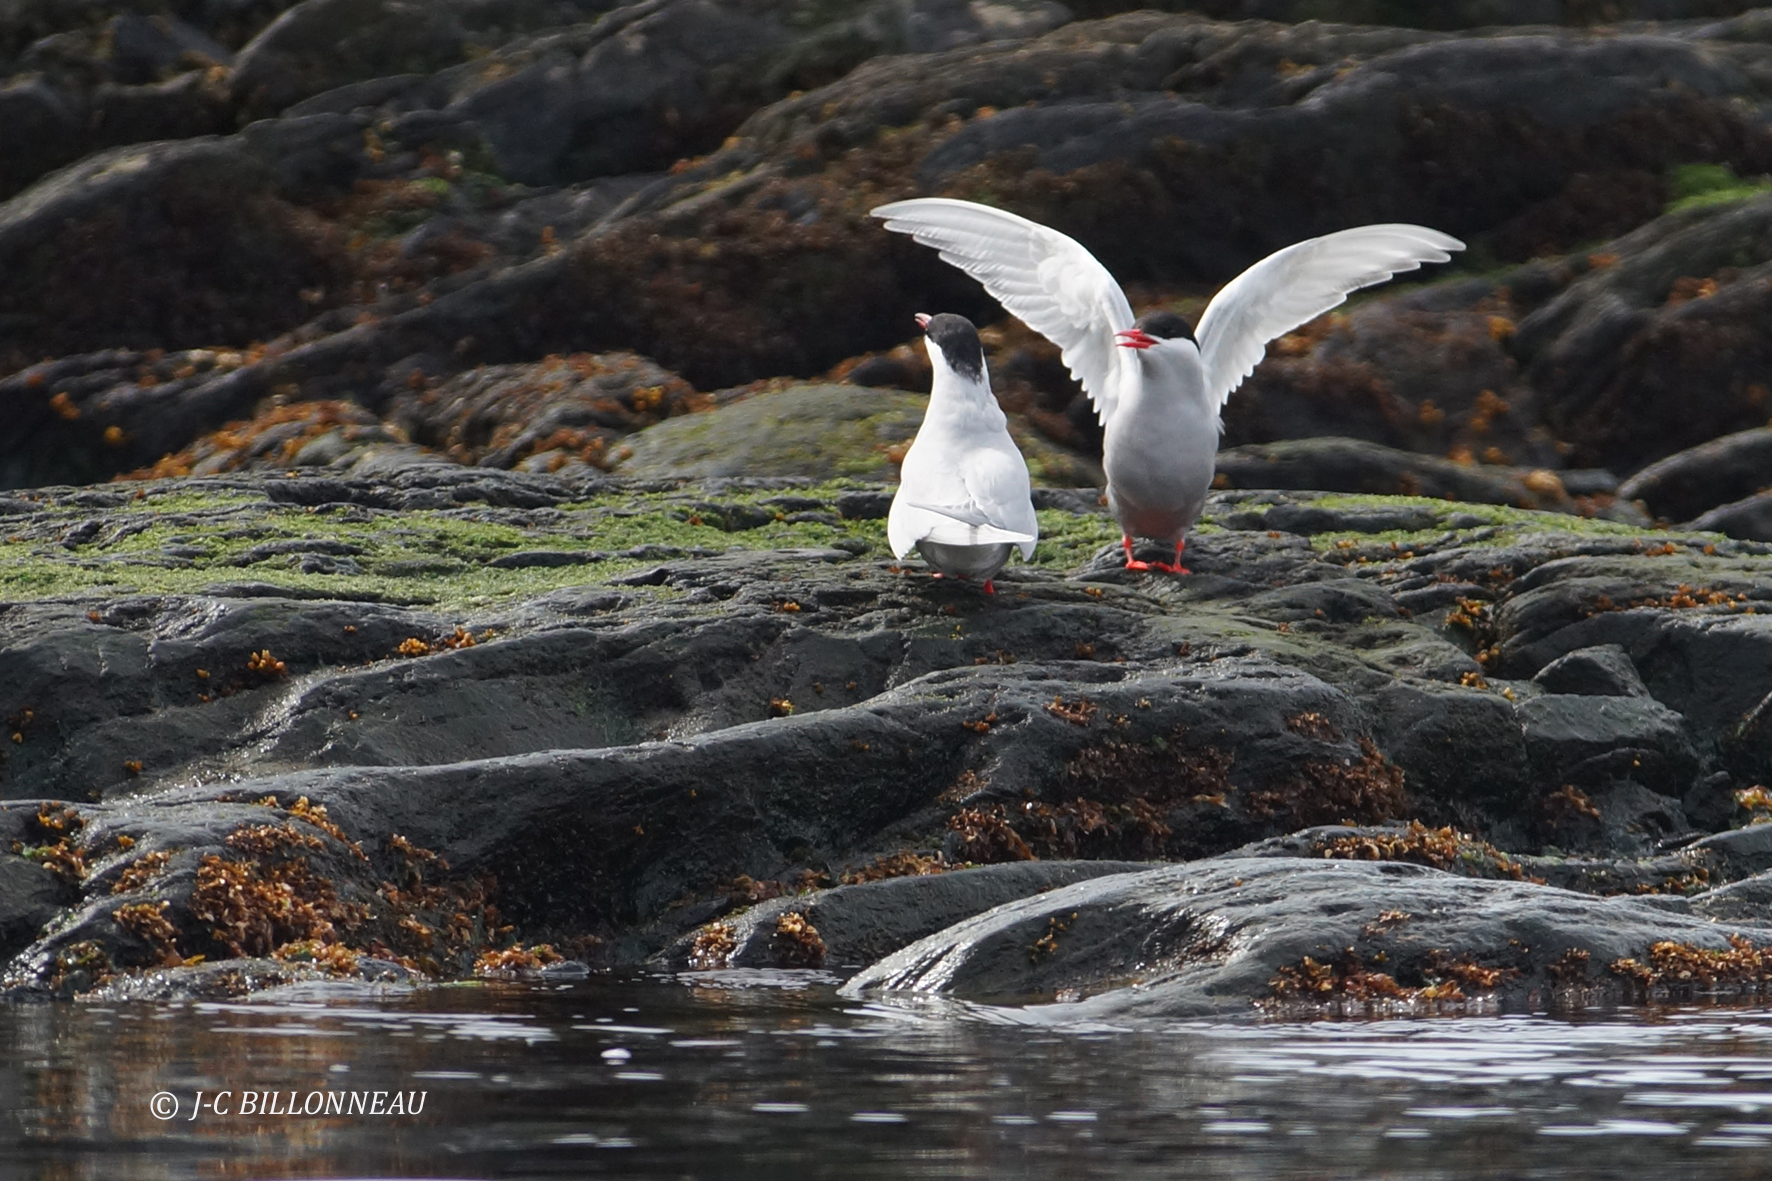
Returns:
<point x="923" y="320"/>
<point x="1135" y="338"/>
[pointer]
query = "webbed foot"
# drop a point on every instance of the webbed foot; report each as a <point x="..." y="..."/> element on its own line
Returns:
<point x="1132" y="563"/>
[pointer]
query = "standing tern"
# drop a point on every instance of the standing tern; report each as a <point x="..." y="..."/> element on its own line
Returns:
<point x="962" y="499"/>
<point x="1158" y="387"/>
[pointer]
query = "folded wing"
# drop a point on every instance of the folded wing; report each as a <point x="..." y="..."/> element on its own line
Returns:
<point x="990" y="505"/>
<point x="1045" y="279"/>
<point x="1293" y="286"/>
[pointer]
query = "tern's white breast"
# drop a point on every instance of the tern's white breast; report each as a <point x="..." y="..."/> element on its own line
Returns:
<point x="1161" y="444"/>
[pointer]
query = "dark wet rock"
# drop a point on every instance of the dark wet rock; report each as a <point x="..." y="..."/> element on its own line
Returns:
<point x="228" y="22"/>
<point x="1591" y="851"/>
<point x="1746" y="851"/>
<point x="379" y="50"/>
<point x="374" y="249"/>
<point x="1354" y="465"/>
<point x="1747" y="900"/>
<point x="36" y="125"/>
<point x="1707" y="476"/>
<point x="1582" y="602"/>
<point x="648" y="84"/>
<point x="1636" y="820"/>
<point x="1580" y="359"/>
<point x="1213" y="937"/>
<point x="329" y="434"/>
<point x="321" y="44"/>
<point x="148" y="49"/>
<point x="153" y="239"/>
<point x="1352" y="120"/>
<point x="267" y="979"/>
<point x="1426" y="370"/>
<point x="690" y="717"/>
<point x="1601" y="671"/>
<point x="1587" y="740"/>
<point x="190" y="104"/>
<point x="644" y="87"/>
<point x="540" y="415"/>
<point x="1461" y="746"/>
<point x="833" y="287"/>
<point x="858" y="924"/>
<point x="1462" y="14"/>
<point x="1677" y="310"/>
<point x="1096" y="144"/>
<point x="32" y="891"/>
<point x="1710" y="803"/>
<point x="1749" y="519"/>
<point x="52" y="122"/>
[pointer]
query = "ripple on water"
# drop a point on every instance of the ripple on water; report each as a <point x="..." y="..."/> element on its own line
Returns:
<point x="767" y="1074"/>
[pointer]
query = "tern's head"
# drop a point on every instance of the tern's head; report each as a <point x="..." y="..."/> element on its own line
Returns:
<point x="1153" y="329"/>
<point x="953" y="345"/>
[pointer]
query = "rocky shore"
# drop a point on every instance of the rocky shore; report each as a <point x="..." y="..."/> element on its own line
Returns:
<point x="448" y="445"/>
<point x="1406" y="752"/>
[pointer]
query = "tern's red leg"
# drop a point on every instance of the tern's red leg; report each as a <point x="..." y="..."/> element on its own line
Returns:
<point x="1132" y="563"/>
<point x="988" y="588"/>
<point x="1177" y="568"/>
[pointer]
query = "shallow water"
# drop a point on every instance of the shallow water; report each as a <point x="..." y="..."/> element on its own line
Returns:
<point x="770" y="1075"/>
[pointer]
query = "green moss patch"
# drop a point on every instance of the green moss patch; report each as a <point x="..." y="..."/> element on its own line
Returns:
<point x="1695" y="185"/>
<point x="182" y="541"/>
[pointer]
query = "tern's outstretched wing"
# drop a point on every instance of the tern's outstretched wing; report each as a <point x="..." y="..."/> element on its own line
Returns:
<point x="1298" y="284"/>
<point x="1047" y="280"/>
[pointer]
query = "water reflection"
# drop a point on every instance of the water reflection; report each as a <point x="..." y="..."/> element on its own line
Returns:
<point x="730" y="1075"/>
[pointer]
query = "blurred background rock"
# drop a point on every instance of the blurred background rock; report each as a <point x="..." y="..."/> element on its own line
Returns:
<point x="243" y="234"/>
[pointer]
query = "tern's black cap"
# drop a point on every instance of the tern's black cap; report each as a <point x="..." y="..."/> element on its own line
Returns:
<point x="959" y="344"/>
<point x="1166" y="326"/>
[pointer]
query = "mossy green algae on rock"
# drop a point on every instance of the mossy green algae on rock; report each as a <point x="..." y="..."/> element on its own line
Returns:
<point x="815" y="431"/>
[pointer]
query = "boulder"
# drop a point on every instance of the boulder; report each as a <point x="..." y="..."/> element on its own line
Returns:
<point x="1585" y="740"/>
<point x="1354" y="465"/>
<point x="816" y="431"/>
<point x="172" y="244"/>
<point x="148" y="49"/>
<point x="1749" y="518"/>
<point x="541" y="416"/>
<point x="1213" y="938"/>
<point x="1686" y="485"/>
<point x="1615" y="355"/>
<point x="38" y="127"/>
<point x="1604" y="670"/>
<point x="856" y="924"/>
<point x="318" y="45"/>
<point x="646" y="85"/>
<point x="1747" y="900"/>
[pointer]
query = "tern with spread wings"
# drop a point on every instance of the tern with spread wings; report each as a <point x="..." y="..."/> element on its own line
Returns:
<point x="1157" y="385"/>
<point x="963" y="500"/>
